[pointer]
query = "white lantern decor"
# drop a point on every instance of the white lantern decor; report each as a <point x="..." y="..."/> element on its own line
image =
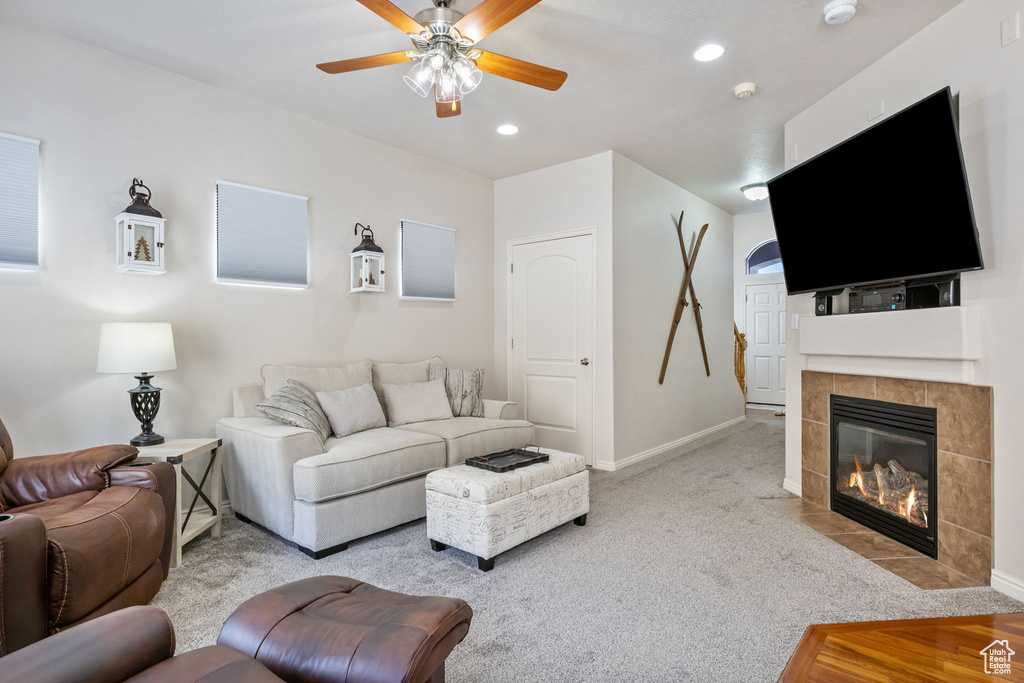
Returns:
<point x="367" y="273"/>
<point x="140" y="234"/>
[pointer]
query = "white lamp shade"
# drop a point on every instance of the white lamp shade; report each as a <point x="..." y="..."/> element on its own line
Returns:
<point x="136" y="348"/>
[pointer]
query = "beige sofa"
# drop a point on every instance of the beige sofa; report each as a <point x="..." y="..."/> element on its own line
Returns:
<point x="321" y="495"/>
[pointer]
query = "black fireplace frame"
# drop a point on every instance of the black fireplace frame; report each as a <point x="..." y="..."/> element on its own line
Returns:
<point x="902" y="419"/>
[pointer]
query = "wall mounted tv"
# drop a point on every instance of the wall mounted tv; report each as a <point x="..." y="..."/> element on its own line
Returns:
<point x="890" y="204"/>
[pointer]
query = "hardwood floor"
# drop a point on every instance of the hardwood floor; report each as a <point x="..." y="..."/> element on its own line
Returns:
<point x="913" y="650"/>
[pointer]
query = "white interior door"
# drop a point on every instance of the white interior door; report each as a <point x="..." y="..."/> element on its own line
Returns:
<point x="552" y="340"/>
<point x="766" y="343"/>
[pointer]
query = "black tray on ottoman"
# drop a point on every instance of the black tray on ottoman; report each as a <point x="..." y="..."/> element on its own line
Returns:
<point x="506" y="461"/>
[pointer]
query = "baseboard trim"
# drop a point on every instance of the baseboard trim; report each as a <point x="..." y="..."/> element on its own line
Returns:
<point x="665" y="448"/>
<point x="1008" y="585"/>
<point x="795" y="489"/>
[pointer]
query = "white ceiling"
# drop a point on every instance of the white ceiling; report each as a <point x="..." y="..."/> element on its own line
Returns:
<point x="633" y="85"/>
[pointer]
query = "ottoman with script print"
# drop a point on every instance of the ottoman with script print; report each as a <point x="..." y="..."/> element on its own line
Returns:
<point x="486" y="513"/>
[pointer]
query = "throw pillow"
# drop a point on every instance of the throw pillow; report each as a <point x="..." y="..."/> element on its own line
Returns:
<point x="294" y="404"/>
<point x="419" y="402"/>
<point x="465" y="389"/>
<point x="352" y="410"/>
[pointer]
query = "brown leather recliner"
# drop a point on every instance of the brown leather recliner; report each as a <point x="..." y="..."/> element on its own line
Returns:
<point x="81" y="534"/>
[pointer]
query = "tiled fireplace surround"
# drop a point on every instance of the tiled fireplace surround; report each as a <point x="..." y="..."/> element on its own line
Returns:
<point x="964" y="441"/>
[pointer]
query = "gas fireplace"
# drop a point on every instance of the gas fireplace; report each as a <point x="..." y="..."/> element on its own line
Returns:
<point x="883" y="468"/>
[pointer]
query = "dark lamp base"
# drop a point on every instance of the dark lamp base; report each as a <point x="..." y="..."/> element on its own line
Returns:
<point x="147" y="440"/>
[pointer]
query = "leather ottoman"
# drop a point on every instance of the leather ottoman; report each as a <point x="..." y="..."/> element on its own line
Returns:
<point x="330" y="629"/>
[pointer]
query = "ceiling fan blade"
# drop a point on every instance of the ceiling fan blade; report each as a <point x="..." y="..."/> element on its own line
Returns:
<point x="490" y="15"/>
<point x="363" y="63"/>
<point x="446" y="110"/>
<point x="518" y="70"/>
<point x="394" y="16"/>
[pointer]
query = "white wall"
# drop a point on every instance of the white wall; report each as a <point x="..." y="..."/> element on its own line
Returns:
<point x="962" y="50"/>
<point x="639" y="269"/>
<point x="103" y="119"/>
<point x="749" y="230"/>
<point x="569" y="196"/>
<point x="648" y="270"/>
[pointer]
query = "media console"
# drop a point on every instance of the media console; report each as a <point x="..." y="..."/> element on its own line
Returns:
<point x="935" y="292"/>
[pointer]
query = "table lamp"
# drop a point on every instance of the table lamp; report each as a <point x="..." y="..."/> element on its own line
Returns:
<point x="142" y="348"/>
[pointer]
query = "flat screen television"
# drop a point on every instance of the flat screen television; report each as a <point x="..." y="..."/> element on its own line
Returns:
<point x="890" y="204"/>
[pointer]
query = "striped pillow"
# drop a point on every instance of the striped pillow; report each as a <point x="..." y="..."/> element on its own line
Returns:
<point x="294" y="404"/>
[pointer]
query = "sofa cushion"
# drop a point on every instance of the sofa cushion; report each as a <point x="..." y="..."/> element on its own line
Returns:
<point x="419" y="402"/>
<point x="98" y="548"/>
<point x="401" y="373"/>
<point x="352" y="410"/>
<point x="294" y="404"/>
<point x="466" y="437"/>
<point x="317" y="379"/>
<point x="365" y="461"/>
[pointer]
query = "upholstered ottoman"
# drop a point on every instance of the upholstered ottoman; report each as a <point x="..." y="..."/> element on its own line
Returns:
<point x="329" y="629"/>
<point x="486" y="513"/>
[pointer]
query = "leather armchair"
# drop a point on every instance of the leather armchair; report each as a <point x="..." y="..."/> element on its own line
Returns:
<point x="134" y="644"/>
<point x="81" y="534"/>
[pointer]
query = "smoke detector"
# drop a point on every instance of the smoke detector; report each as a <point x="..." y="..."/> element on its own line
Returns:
<point x="745" y="90"/>
<point x="840" y="11"/>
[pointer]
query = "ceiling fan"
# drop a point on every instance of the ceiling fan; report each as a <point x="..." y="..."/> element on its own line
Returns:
<point x="447" y="63"/>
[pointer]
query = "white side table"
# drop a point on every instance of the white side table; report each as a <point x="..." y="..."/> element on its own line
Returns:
<point x="190" y="523"/>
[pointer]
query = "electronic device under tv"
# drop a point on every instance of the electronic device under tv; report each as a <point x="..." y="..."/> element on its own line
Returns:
<point x="891" y="204"/>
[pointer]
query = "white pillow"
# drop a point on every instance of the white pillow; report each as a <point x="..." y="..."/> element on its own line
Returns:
<point x="419" y="402"/>
<point x="352" y="410"/>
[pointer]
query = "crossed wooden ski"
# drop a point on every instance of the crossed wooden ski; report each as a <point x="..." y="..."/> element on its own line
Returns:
<point x="681" y="303"/>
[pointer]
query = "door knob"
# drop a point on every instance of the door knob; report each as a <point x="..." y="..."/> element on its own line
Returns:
<point x="585" y="361"/>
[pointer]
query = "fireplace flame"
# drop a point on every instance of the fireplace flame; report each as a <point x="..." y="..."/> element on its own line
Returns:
<point x="911" y="500"/>
<point x="892" y="488"/>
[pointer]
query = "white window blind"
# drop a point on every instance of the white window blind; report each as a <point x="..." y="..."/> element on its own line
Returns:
<point x="428" y="261"/>
<point x="261" y="236"/>
<point x="19" y="202"/>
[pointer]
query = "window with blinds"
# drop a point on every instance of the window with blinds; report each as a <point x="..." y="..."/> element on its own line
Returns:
<point x="261" y="236"/>
<point x="427" y="262"/>
<point x="19" y="202"/>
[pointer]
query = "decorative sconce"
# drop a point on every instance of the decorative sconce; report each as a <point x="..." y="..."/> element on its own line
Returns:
<point x="367" y="263"/>
<point x="140" y="234"/>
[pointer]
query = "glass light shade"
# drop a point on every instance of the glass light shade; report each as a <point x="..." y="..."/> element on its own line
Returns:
<point x="755" y="192"/>
<point x="468" y="76"/>
<point x="447" y="91"/>
<point x="135" y="348"/>
<point x="420" y="77"/>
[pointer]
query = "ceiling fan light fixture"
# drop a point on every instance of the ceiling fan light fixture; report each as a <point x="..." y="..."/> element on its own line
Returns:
<point x="420" y="77"/>
<point x="755" y="192"/>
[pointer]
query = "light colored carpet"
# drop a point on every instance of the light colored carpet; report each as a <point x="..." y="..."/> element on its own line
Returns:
<point x="681" y="574"/>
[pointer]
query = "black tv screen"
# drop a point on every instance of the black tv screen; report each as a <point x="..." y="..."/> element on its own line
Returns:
<point x="891" y="203"/>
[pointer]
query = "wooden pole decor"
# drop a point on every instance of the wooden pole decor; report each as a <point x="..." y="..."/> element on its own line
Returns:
<point x="682" y="303"/>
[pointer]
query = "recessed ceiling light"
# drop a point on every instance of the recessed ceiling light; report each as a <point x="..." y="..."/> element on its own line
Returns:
<point x="709" y="52"/>
<point x="508" y="129"/>
<point x="755" y="192"/>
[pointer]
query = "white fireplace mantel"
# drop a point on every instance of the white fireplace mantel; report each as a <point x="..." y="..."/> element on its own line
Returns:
<point x="937" y="344"/>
